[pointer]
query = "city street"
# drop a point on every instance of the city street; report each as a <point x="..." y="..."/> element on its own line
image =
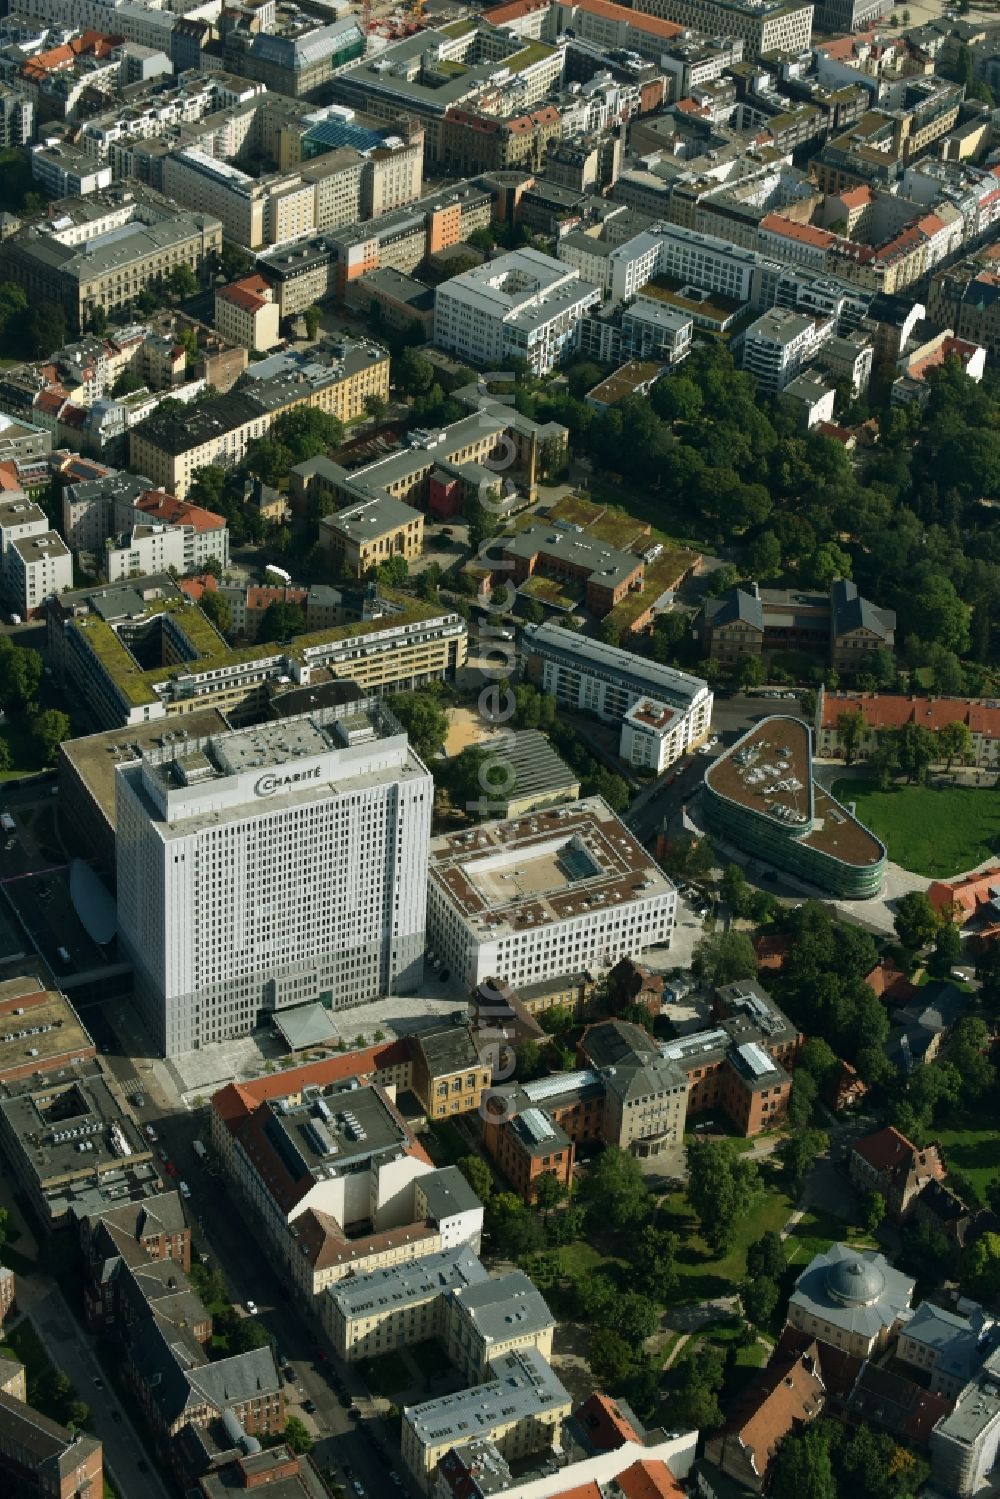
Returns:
<point x="128" y="1466"/>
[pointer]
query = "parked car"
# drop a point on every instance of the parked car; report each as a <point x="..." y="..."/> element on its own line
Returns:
<point x="251" y="1308"/>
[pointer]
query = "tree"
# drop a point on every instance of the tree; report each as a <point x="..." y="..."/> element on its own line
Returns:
<point x="751" y="672"/>
<point x="916" y="749"/>
<point x="297" y="1436"/>
<point x="306" y="431"/>
<point x="981" y="1268"/>
<point x="802" y="1100"/>
<point x="97" y="323"/>
<point x="413" y="373"/>
<point x="721" y="1189"/>
<point x="208" y="485"/>
<point x="734" y="890"/>
<point x="968" y="1053"/>
<point x="376" y="407"/>
<point x="49" y="729"/>
<point x="281" y="621"/>
<point x="765" y="557"/>
<point x="947" y="950"/>
<point x="915" y="920"/>
<point x="513" y="1229"/>
<point x="614" y="1190"/>
<point x="654" y="1261"/>
<point x="872" y="1212"/>
<point x="550" y="1191"/>
<point x="609" y="1357"/>
<point x="311" y="317"/>
<point x="46" y="328"/>
<point x="955" y="742"/>
<point x="700" y="1378"/>
<point x="820" y="1061"/>
<point x="20" y="674"/>
<point x="759" y="1297"/>
<point x="216" y="607"/>
<point x="424" y="720"/>
<point x="393" y="573"/>
<point x="243" y="1334"/>
<point x="183" y="282"/>
<point x="799" y="1152"/>
<point x="766" y="1256"/>
<point x="723" y="958"/>
<point x="850" y="731"/>
<point x="802" y="1468"/>
<point x="478" y="1175"/>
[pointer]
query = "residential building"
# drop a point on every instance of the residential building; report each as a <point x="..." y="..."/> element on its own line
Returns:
<point x="246" y="312"/>
<point x="448" y="1073"/>
<point x="964" y="1444"/>
<point x="140" y="551"/>
<point x="93" y="1156"/>
<point x="776" y="1404"/>
<point x="93" y="636"/>
<point x="965" y="298"/>
<point x="360" y="537"/>
<point x="17" y="119"/>
<point x="607" y="572"/>
<point x="65" y="172"/>
<point x="375" y="1203"/>
<point x="205" y="535"/>
<point x="40" y="1457"/>
<point x="884" y="711"/>
<point x="286" y="1476"/>
<point x="380" y="1310"/>
<point x="776" y="346"/>
<point x="36" y="568"/>
<point x="346" y="774"/>
<point x="948" y="1347"/>
<point x="841" y="626"/>
<point x="890" y="1164"/>
<point x="133" y="1234"/>
<point x="781" y="26"/>
<point x="171" y="447"/>
<point x="520" y="1408"/>
<point x="523" y="305"/>
<point x="39" y="1032"/>
<point x="105" y="259"/>
<point x="920" y="1028"/>
<point x="509" y="902"/>
<point x="760" y="794"/>
<point x="970" y="897"/>
<point x="21" y="519"/>
<point x="299" y="63"/>
<point x="663" y="712"/>
<point x="851" y="1298"/>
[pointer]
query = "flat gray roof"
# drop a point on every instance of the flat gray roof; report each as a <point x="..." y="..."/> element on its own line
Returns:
<point x="524" y="1385"/>
<point x="678" y="689"/>
<point x="503" y="1307"/>
<point x="395" y="1287"/>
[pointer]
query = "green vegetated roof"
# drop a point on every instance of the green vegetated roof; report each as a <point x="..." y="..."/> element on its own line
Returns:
<point x="211" y="649"/>
<point x="532" y="53"/>
<point x="671" y="562"/>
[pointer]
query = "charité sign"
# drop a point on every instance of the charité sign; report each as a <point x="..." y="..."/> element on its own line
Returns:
<point x="269" y="784"/>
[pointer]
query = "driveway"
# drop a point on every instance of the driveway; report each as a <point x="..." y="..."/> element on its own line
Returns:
<point x="69" y="1348"/>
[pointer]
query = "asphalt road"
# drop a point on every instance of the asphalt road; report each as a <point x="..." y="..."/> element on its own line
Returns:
<point x="70" y="1351"/>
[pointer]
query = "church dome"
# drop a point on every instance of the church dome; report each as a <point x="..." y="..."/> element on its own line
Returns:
<point x="854" y="1282"/>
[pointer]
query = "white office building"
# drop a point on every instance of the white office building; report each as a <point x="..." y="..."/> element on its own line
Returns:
<point x="564" y="891"/>
<point x="36" y="568"/>
<point x="662" y="711"/>
<point x="271" y="866"/>
<point x="524" y="305"/>
<point x="778" y="344"/>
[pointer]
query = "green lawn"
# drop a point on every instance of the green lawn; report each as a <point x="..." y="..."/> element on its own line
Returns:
<point x="816" y="1230"/>
<point x="934" y="833"/>
<point x="973" y="1147"/>
<point x="24" y="755"/>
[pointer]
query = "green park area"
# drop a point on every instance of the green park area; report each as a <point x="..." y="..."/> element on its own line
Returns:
<point x="971" y="1145"/>
<point x="937" y="833"/>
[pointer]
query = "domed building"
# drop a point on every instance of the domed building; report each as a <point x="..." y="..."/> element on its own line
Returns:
<point x="852" y="1298"/>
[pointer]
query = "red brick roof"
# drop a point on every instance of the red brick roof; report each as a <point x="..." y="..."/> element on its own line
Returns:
<point x="888" y="982"/>
<point x="649" y="1478"/>
<point x="786" y="1394"/>
<point x="893" y="710"/>
<point x="236" y="1101"/>
<point x="161" y="506"/>
<point x="807" y="234"/>
<point x="240" y="297"/>
<point x="964" y="897"/>
<point x="606" y="1426"/>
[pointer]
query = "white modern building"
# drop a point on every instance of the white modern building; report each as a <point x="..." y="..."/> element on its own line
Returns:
<point x="35" y="568"/>
<point x="66" y="172"/>
<point x="271" y="866"/>
<point x="551" y="893"/>
<point x="142" y="552"/>
<point x="777" y="345"/>
<point x="524" y="305"/>
<point x="662" y="711"/>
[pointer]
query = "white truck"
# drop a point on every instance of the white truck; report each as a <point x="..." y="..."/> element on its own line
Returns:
<point x="199" y="1149"/>
<point x="7" y="822"/>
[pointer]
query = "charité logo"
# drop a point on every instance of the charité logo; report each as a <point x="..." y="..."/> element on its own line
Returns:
<point x="269" y="784"/>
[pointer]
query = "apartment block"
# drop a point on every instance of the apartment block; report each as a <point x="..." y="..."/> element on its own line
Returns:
<point x="246" y="313"/>
<point x="449" y="1076"/>
<point x="40" y="1457"/>
<point x="774" y="26"/>
<point x="35" y="569"/>
<point x="777" y="345"/>
<point x="360" y="537"/>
